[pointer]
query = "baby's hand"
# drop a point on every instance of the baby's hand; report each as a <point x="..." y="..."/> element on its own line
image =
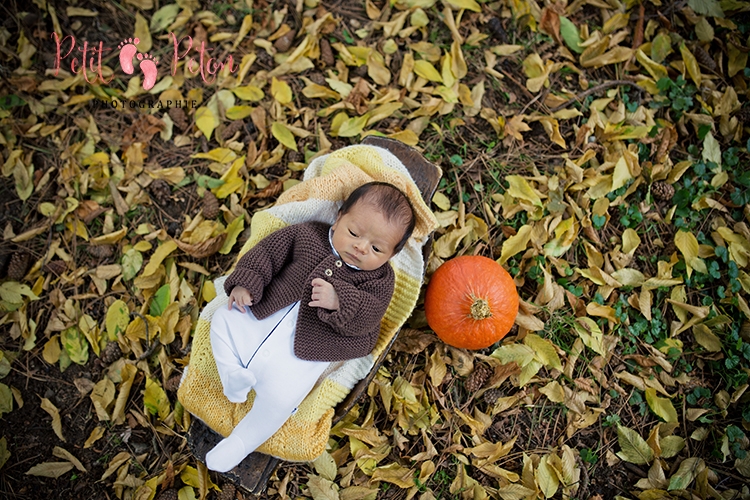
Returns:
<point x="241" y="297"/>
<point x="323" y="295"/>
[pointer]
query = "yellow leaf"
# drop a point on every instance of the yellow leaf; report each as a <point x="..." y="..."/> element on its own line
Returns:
<point x="383" y="111"/>
<point x="706" y="338"/>
<point x="239" y="112"/>
<point x="514" y="126"/>
<point x="447" y="244"/>
<point x="515" y="244"/>
<point x="221" y="155"/>
<point x="155" y="400"/>
<point x="552" y="127"/>
<point x="505" y="50"/>
<point x="737" y="59"/>
<point x="315" y="91"/>
<point x="110" y="238"/>
<point x="117" y="320"/>
<point x="233" y="230"/>
<point x="102" y="397"/>
<point x="50" y="469"/>
<point x="536" y="71"/>
<point x="687" y="243"/>
<point x="77" y="11"/>
<point x="66" y="455"/>
<point x="621" y="175"/>
<point x="661" y="406"/>
<point x="464" y="4"/>
<point x="691" y="63"/>
<point x="247" y="24"/>
<point x="51" y="409"/>
<point x="546" y="477"/>
<point x="630" y="241"/>
<point x="51" y="351"/>
<point x="249" y="93"/>
<point x="95" y="435"/>
<point x="281" y="91"/>
<point x="554" y="391"/>
<point x="616" y="55"/>
<point x="427" y="71"/>
<point x="406" y="136"/>
<point x="544" y="350"/>
<point x="442" y="201"/>
<point x="283" y="135"/>
<point x="520" y="188"/>
<point x="158" y="257"/>
<point x="205" y="121"/>
<point x="209" y="291"/>
<point x="353" y="126"/>
<point x="634" y="448"/>
<point x="143" y="33"/>
<point x="521" y="354"/>
<point x="656" y="70"/>
<point x="376" y="69"/>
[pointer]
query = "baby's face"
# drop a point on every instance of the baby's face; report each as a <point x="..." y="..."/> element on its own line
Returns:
<point x="364" y="237"/>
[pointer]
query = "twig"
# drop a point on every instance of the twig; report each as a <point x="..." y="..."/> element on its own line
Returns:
<point x="594" y="90"/>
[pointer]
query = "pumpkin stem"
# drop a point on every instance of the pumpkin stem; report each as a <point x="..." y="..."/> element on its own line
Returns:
<point x="480" y="308"/>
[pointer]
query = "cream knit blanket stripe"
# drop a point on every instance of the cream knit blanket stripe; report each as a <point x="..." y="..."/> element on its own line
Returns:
<point x="328" y="180"/>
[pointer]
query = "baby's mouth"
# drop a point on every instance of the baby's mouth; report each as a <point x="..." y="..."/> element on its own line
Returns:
<point x="351" y="257"/>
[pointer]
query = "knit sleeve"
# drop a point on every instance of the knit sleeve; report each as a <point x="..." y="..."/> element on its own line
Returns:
<point x="360" y="309"/>
<point x="260" y="264"/>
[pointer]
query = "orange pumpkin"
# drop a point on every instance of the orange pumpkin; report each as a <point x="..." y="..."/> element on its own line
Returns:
<point x="471" y="302"/>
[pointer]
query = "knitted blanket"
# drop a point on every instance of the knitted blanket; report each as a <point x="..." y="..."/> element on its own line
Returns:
<point x="328" y="180"/>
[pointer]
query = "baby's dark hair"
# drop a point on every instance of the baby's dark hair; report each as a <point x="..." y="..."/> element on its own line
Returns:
<point x="394" y="205"/>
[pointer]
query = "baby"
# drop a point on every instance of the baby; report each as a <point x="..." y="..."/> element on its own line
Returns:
<point x="303" y="297"/>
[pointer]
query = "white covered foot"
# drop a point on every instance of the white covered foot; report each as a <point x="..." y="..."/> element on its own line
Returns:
<point x="226" y="455"/>
<point x="238" y="385"/>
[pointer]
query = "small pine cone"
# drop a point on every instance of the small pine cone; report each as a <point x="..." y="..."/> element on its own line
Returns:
<point x="284" y="43"/>
<point x="101" y="251"/>
<point x="745" y="331"/>
<point x="662" y="191"/>
<point x="179" y="117"/>
<point x="19" y="264"/>
<point x="170" y="494"/>
<point x="326" y="54"/>
<point x="478" y="377"/>
<point x="231" y="129"/>
<point x="743" y="115"/>
<point x="161" y="191"/>
<point x="111" y="353"/>
<point x="704" y="58"/>
<point x="56" y="267"/>
<point x="210" y="205"/>
<point x="496" y="27"/>
<point x="228" y="492"/>
<point x="492" y="395"/>
<point x="173" y="383"/>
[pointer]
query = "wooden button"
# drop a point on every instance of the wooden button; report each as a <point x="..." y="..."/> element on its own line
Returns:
<point x="328" y="272"/>
<point x="338" y="263"/>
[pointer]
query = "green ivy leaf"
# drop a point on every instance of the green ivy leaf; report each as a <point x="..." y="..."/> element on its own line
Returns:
<point x="160" y="301"/>
<point x="569" y="32"/>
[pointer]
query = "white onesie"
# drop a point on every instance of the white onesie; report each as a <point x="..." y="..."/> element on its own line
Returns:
<point x="258" y="354"/>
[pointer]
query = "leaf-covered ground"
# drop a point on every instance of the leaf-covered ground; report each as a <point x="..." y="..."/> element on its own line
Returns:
<point x="595" y="148"/>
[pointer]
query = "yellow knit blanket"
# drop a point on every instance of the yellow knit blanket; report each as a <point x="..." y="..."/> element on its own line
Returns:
<point x="328" y="180"/>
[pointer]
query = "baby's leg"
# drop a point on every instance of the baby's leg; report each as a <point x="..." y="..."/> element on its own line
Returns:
<point x="232" y="338"/>
<point x="283" y="384"/>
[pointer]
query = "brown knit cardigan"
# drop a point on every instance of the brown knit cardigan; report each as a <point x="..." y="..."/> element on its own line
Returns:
<point x="278" y="271"/>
